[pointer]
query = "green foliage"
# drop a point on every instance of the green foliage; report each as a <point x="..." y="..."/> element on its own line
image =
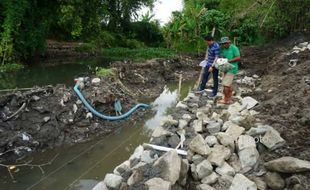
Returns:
<point x="138" y="54"/>
<point x="103" y="72"/>
<point x="12" y="67"/>
<point x="247" y="31"/>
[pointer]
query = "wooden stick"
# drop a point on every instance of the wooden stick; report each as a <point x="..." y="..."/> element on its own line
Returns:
<point x="19" y="110"/>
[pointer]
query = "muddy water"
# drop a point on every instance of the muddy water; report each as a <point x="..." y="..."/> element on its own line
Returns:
<point x="81" y="166"/>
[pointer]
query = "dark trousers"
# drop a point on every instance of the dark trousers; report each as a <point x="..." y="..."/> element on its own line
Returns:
<point x="205" y="79"/>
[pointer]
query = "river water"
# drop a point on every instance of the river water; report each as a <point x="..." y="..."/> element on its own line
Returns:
<point x="81" y="166"/>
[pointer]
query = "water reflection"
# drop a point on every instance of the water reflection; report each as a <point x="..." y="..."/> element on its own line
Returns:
<point x="165" y="100"/>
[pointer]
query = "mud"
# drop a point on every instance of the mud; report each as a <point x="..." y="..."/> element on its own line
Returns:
<point x="53" y="116"/>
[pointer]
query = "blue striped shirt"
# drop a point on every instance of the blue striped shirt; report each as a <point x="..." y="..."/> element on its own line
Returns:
<point x="213" y="51"/>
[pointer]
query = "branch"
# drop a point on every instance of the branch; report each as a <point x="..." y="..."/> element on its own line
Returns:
<point x="11" y="167"/>
<point x="19" y="110"/>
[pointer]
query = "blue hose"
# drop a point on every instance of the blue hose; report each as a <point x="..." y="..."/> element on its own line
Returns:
<point x="110" y="118"/>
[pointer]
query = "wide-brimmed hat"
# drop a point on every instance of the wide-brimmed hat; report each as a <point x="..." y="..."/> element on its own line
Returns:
<point x="224" y="40"/>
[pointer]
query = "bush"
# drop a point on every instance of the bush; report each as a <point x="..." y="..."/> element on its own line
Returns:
<point x="103" y="72"/>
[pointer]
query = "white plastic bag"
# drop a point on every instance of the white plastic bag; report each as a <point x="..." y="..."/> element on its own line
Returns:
<point x="203" y="63"/>
<point x="223" y="65"/>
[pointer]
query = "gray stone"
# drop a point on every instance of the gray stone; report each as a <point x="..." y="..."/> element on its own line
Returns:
<point x="137" y="154"/>
<point x="100" y="186"/>
<point x="123" y="167"/>
<point x="234" y="131"/>
<point x="201" y="116"/>
<point x="95" y="81"/>
<point x="181" y="105"/>
<point x="260" y="183"/>
<point x="173" y="141"/>
<point x="187" y="117"/>
<point x="256" y="131"/>
<point x="234" y="109"/>
<point x="274" y="181"/>
<point x="249" y="102"/>
<point x="113" y="181"/>
<point x="299" y="186"/>
<point x="160" y="131"/>
<point x="224" y="182"/>
<point x="204" y="169"/>
<point x="272" y="139"/>
<point x="135" y="177"/>
<point x="197" y="158"/>
<point x="198" y="145"/>
<point x="158" y="183"/>
<point x="246" y="141"/>
<point x="194" y="172"/>
<point x="214" y="127"/>
<point x="210" y="179"/>
<point x="248" y="158"/>
<point x="218" y="155"/>
<point x="226" y="140"/>
<point x="197" y="125"/>
<point x="46" y="119"/>
<point x="146" y="157"/>
<point x="225" y="169"/>
<point x="204" y="187"/>
<point x="170" y="164"/>
<point x="240" y="182"/>
<point x="184" y="171"/>
<point x="169" y="121"/>
<point x="139" y="165"/>
<point x="211" y="140"/>
<point x="226" y="125"/>
<point x="288" y="165"/>
<point x="183" y="123"/>
<point x="235" y="162"/>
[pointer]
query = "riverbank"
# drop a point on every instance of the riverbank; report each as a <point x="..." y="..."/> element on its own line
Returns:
<point x="248" y="145"/>
<point x="47" y="117"/>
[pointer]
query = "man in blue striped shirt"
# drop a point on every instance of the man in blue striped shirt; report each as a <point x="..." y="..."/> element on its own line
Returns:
<point x="214" y="52"/>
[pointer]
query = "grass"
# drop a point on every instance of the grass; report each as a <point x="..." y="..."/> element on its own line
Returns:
<point x="103" y="72"/>
<point x="138" y="54"/>
<point x="10" y="67"/>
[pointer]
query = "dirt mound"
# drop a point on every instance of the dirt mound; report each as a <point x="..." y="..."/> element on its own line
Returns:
<point x="284" y="95"/>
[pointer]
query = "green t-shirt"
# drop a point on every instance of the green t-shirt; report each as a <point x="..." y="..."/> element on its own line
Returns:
<point x="230" y="53"/>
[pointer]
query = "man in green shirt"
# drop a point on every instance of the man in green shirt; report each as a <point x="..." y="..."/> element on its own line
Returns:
<point x="232" y="53"/>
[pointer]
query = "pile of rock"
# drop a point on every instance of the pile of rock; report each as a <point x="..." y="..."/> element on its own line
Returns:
<point x="223" y="145"/>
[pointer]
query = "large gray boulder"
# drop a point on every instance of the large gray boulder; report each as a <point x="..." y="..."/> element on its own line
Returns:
<point x="183" y="123"/>
<point x="199" y="146"/>
<point x="113" y="181"/>
<point x="210" y="179"/>
<point x="218" y="155"/>
<point x="248" y="158"/>
<point x="288" y="165"/>
<point x="137" y="154"/>
<point x="234" y="131"/>
<point x="272" y="139"/>
<point x="170" y="166"/>
<point x="240" y="182"/>
<point x="225" y="169"/>
<point x="158" y="183"/>
<point x="211" y="140"/>
<point x="136" y="176"/>
<point x="184" y="171"/>
<point x="246" y="141"/>
<point x="214" y="127"/>
<point x="204" y="169"/>
<point x="123" y="167"/>
<point x="226" y="140"/>
<point x="100" y="186"/>
<point x="274" y="181"/>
